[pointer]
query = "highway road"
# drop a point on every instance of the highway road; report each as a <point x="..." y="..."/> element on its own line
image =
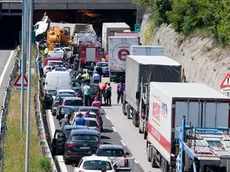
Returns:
<point x="6" y="64"/>
<point x="118" y="130"/>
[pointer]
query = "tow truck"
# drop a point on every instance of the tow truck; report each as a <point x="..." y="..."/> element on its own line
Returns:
<point x="203" y="149"/>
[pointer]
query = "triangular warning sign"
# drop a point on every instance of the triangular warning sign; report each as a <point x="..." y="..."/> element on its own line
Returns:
<point x="17" y="82"/>
<point x="226" y="82"/>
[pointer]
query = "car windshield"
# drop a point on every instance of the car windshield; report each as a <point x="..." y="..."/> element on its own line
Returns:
<point x="66" y="92"/>
<point x="73" y="103"/>
<point x="96" y="111"/>
<point x="90" y="123"/>
<point x="55" y="63"/>
<point x="103" y="64"/>
<point x="58" y="98"/>
<point x="60" y="69"/>
<point x="112" y="152"/>
<point x="85" y="138"/>
<point x="97" y="165"/>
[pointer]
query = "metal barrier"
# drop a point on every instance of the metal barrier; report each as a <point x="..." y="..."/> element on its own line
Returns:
<point x="4" y="110"/>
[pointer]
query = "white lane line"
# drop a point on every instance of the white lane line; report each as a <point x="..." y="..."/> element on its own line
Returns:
<point x="60" y="160"/>
<point x="6" y="67"/>
<point x="123" y="143"/>
<point x="51" y="120"/>
<point x="114" y="129"/>
<point x="136" y="161"/>
<point x="107" y="117"/>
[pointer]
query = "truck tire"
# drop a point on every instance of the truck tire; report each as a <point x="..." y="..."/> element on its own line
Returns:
<point x="128" y="110"/>
<point x="164" y="165"/>
<point x="124" y="109"/>
<point x="153" y="162"/>
<point x="135" y="122"/>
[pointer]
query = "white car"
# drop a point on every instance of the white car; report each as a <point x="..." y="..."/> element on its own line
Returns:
<point x="68" y="51"/>
<point x="50" y="64"/>
<point x="94" y="164"/>
<point x="56" y="53"/>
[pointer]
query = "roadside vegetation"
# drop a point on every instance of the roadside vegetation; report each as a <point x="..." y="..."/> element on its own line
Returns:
<point x="15" y="143"/>
<point x="200" y="17"/>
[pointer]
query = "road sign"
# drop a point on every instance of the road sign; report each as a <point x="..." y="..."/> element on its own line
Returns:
<point x="137" y="27"/>
<point x="225" y="84"/>
<point x="17" y="83"/>
<point x="33" y="37"/>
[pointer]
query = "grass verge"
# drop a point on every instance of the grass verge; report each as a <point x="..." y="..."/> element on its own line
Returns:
<point x="14" y="155"/>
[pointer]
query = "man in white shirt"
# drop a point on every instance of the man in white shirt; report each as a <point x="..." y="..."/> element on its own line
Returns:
<point x="96" y="77"/>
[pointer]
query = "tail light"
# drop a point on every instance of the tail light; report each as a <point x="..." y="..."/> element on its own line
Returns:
<point x="98" y="128"/>
<point x="126" y="163"/>
<point x="69" y="145"/>
<point x="96" y="145"/>
<point x="55" y="105"/>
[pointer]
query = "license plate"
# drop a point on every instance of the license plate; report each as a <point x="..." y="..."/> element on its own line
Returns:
<point x="84" y="147"/>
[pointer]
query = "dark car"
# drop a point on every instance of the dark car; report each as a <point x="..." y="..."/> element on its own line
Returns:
<point x="69" y="102"/>
<point x="57" y="101"/>
<point x="47" y="101"/>
<point x="96" y="110"/>
<point x="80" y="143"/>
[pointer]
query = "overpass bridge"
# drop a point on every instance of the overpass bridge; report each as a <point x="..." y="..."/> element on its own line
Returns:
<point x="70" y="4"/>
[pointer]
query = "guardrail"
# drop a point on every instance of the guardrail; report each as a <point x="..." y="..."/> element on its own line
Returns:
<point x="4" y="110"/>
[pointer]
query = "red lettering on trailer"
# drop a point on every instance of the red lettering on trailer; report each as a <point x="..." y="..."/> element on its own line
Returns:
<point x="156" y="111"/>
<point x="122" y="54"/>
<point x="159" y="137"/>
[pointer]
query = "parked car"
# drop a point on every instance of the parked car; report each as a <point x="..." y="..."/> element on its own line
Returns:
<point x="80" y="143"/>
<point x="105" y="68"/>
<point x="91" y="123"/>
<point x="114" y="152"/>
<point x="94" y="164"/>
<point x="57" y="101"/>
<point x="46" y="60"/>
<point x="47" y="101"/>
<point x="50" y="65"/>
<point x="96" y="110"/>
<point x="68" y="128"/>
<point x="63" y="108"/>
<point x="66" y="91"/>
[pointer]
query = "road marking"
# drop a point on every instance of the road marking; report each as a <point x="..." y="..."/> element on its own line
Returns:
<point x="136" y="161"/>
<point x="51" y="120"/>
<point x="123" y="143"/>
<point x="6" y="67"/>
<point x="114" y="129"/>
<point x="107" y="117"/>
<point x="60" y="159"/>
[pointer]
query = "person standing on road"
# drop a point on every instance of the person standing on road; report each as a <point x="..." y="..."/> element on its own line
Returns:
<point x="103" y="87"/>
<point x="80" y="120"/>
<point x="96" y="103"/>
<point x="108" y="91"/>
<point x="120" y="92"/>
<point x="64" y="121"/>
<point x="96" y="78"/>
<point x="86" y="90"/>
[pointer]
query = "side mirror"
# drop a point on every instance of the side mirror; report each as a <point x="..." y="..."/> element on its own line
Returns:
<point x="127" y="154"/>
<point x="138" y="95"/>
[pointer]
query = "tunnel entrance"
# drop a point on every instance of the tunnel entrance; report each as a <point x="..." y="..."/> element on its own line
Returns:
<point x="11" y="25"/>
<point x="9" y="30"/>
<point x="95" y="17"/>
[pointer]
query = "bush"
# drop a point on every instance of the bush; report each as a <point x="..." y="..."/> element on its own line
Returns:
<point x="45" y="164"/>
<point x="186" y="16"/>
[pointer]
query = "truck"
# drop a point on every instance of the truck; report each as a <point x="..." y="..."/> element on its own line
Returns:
<point x="109" y="29"/>
<point x="202" y="107"/>
<point x="203" y="149"/>
<point x="119" y="48"/>
<point x="146" y="50"/>
<point x="140" y="71"/>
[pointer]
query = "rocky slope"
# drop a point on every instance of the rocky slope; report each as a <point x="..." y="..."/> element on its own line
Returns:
<point x="202" y="59"/>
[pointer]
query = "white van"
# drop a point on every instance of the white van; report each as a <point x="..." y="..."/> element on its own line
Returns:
<point x="56" y="80"/>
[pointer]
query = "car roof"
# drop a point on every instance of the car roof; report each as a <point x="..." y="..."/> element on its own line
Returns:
<point x="89" y="107"/>
<point x="108" y="146"/>
<point x="94" y="157"/>
<point x="63" y="95"/>
<point x="51" y="61"/>
<point x="72" y="98"/>
<point x="91" y="119"/>
<point x="84" y="131"/>
<point x="66" y="127"/>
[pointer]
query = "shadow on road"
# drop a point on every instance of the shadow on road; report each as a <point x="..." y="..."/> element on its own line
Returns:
<point x="105" y="130"/>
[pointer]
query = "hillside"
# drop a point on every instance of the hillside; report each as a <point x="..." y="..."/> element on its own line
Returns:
<point x="203" y="59"/>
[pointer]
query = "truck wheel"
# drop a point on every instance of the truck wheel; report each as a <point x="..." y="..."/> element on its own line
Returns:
<point x="164" y="165"/>
<point x="128" y="111"/>
<point x="135" y="122"/>
<point x="145" y="135"/>
<point x="153" y="162"/>
<point x="123" y="109"/>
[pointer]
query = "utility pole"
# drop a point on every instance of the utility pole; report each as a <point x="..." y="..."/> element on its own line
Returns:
<point x="30" y="24"/>
<point x="23" y="59"/>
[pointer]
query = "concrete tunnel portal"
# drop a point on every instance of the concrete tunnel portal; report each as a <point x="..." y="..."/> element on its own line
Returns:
<point x="11" y="25"/>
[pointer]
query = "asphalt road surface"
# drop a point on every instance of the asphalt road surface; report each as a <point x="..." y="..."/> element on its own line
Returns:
<point x="117" y="130"/>
<point x="6" y="64"/>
